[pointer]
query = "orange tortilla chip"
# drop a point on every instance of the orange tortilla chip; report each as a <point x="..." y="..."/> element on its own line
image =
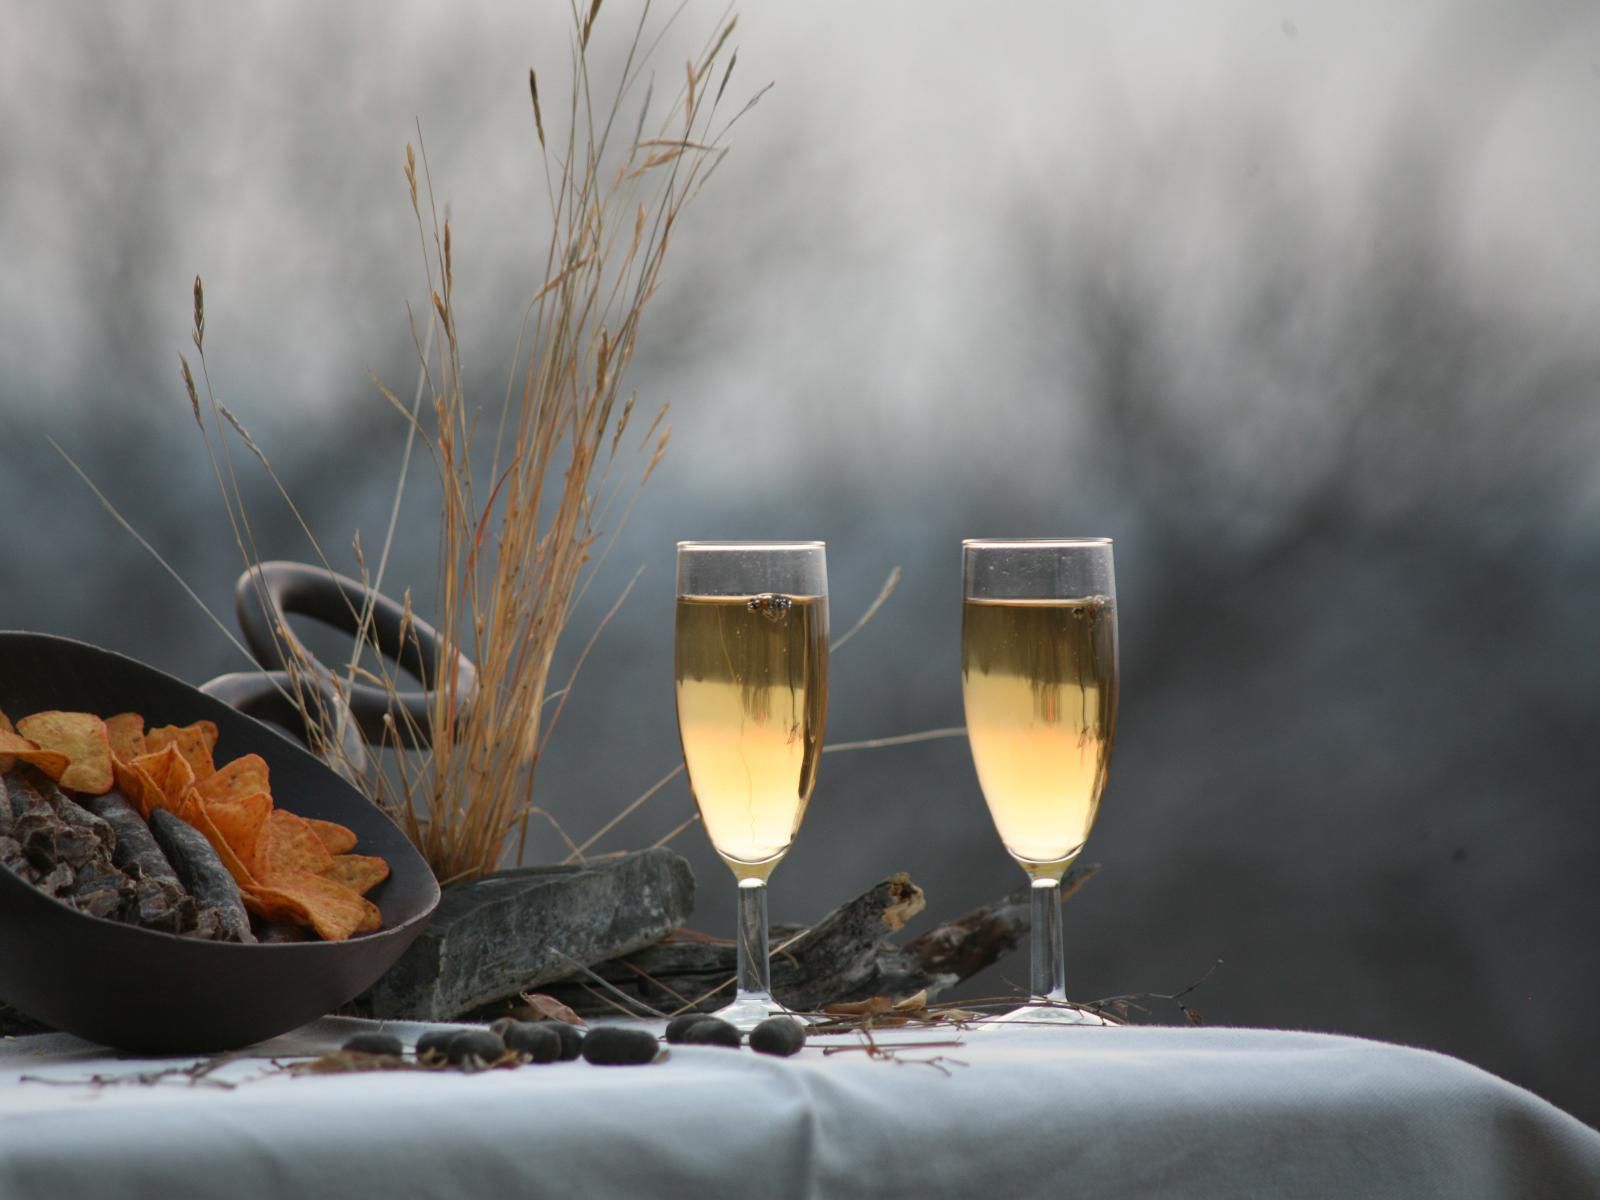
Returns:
<point x="358" y="872"/>
<point x="241" y="821"/>
<point x="82" y="738"/>
<point x="292" y="846"/>
<point x="330" y="908"/>
<point x="171" y="775"/>
<point x="273" y="907"/>
<point x="194" y="811"/>
<point x="126" y="731"/>
<point x="135" y="783"/>
<point x="337" y="838"/>
<point x="195" y="742"/>
<point x="7" y="761"/>
<point x="244" y="776"/>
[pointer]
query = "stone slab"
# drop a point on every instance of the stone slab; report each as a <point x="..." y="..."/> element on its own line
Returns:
<point x="497" y="936"/>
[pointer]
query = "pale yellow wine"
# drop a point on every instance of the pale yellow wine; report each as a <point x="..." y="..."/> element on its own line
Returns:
<point x="1039" y="678"/>
<point x="752" y="676"/>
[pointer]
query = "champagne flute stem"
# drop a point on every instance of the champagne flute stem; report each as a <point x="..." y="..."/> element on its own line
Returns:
<point x="755" y="968"/>
<point x="1048" y="975"/>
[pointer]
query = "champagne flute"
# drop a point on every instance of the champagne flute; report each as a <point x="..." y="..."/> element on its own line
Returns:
<point x="1039" y="681"/>
<point x="752" y="690"/>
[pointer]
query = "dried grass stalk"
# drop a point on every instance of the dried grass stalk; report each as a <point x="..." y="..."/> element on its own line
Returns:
<point x="518" y="534"/>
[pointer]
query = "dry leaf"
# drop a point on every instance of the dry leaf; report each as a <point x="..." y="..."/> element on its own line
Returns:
<point x="551" y="1009"/>
<point x="869" y="1007"/>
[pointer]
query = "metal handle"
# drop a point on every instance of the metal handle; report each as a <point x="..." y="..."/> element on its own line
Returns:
<point x="268" y="591"/>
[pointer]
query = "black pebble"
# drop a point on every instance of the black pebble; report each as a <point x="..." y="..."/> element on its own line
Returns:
<point x="434" y="1045"/>
<point x="571" y="1040"/>
<point x="534" y="1041"/>
<point x="679" y="1026"/>
<point x="712" y="1031"/>
<point x="617" y="1046"/>
<point x="385" y="1044"/>
<point x="474" y="1048"/>
<point x="504" y="1023"/>
<point x="782" y="1036"/>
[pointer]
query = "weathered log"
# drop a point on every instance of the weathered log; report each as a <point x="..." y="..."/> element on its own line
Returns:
<point x="848" y="955"/>
<point x="978" y="939"/>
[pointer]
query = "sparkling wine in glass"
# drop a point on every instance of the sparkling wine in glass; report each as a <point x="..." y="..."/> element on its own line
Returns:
<point x="1039" y="681"/>
<point x="752" y="688"/>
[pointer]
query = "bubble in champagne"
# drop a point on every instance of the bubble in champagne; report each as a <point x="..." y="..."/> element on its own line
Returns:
<point x="770" y="605"/>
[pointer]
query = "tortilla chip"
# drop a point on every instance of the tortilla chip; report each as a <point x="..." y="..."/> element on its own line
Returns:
<point x="244" y="776"/>
<point x="271" y="908"/>
<point x="6" y="760"/>
<point x="195" y="742"/>
<point x="330" y="908"/>
<point x="82" y="738"/>
<point x="358" y="872"/>
<point x="16" y="747"/>
<point x="51" y="762"/>
<point x="171" y="775"/>
<point x="135" y="783"/>
<point x="194" y="811"/>
<point x="126" y="731"/>
<point x="292" y="846"/>
<point x="337" y="838"/>
<point x="241" y="821"/>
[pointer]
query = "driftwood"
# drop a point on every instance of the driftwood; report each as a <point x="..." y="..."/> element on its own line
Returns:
<point x="848" y="955"/>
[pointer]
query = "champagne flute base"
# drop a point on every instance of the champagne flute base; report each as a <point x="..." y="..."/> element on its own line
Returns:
<point x="1048" y="1013"/>
<point x="750" y="1009"/>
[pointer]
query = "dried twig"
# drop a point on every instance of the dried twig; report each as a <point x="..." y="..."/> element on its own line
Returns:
<point x="197" y="1074"/>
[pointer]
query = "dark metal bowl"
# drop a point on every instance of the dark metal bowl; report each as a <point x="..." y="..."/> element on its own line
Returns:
<point x="151" y="992"/>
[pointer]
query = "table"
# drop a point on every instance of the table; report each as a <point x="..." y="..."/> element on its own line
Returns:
<point x="1147" y="1112"/>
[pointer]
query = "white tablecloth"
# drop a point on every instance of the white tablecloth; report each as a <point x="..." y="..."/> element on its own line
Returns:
<point x="1146" y="1112"/>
